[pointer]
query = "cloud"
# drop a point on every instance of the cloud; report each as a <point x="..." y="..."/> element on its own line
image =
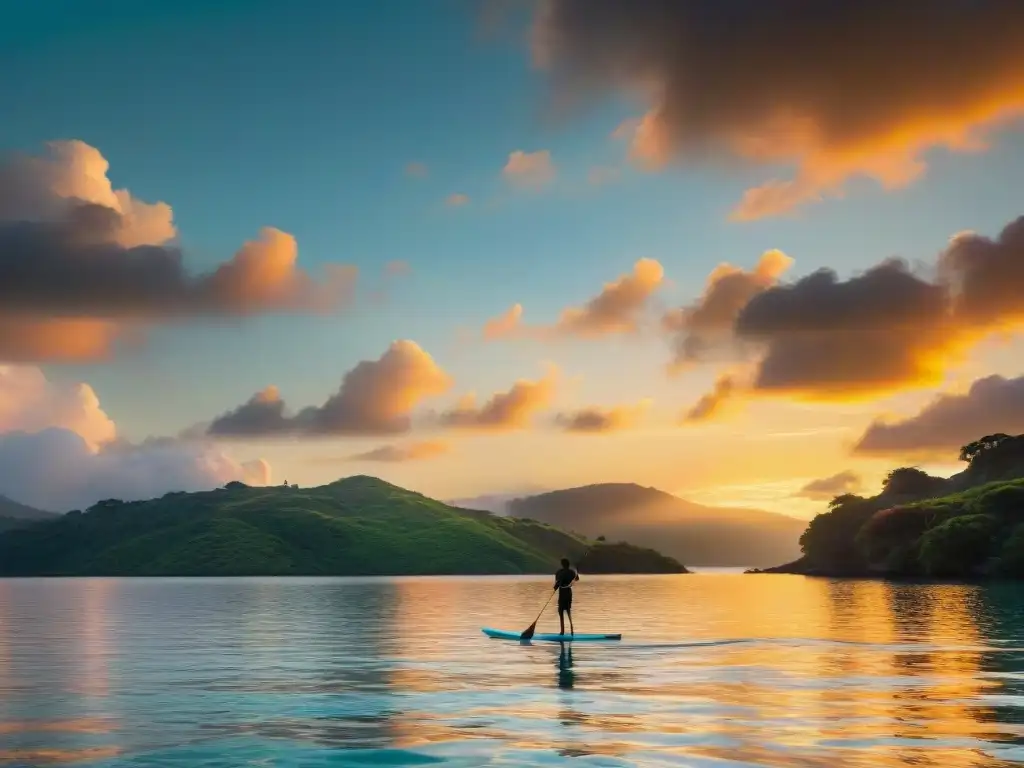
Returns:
<point x="827" y="338"/>
<point x="59" y="450"/>
<point x="30" y="403"/>
<point x="504" y="411"/>
<point x="617" y="309"/>
<point x="54" y="187"/>
<point x="828" y="488"/>
<point x="456" y="200"/>
<point x="992" y="404"/>
<point x="504" y="325"/>
<point x="837" y="90"/>
<point x="600" y="175"/>
<point x="60" y="340"/>
<point x="417" y="170"/>
<point x="83" y="266"/>
<point x="884" y="330"/>
<point x="401" y="453"/>
<point x="714" y="403"/>
<point x="529" y="169"/>
<point x="376" y="397"/>
<point x="709" y="321"/>
<point x="594" y="419"/>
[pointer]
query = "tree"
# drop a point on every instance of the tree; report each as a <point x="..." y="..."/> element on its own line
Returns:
<point x="911" y="481"/>
<point x="957" y="547"/>
<point x="844" y="499"/>
<point x="829" y="541"/>
<point x="987" y="443"/>
<point x="1011" y="556"/>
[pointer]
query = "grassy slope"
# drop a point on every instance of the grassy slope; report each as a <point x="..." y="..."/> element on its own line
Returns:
<point x="356" y="526"/>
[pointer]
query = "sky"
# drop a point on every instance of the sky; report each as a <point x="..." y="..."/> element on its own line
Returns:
<point x="752" y="255"/>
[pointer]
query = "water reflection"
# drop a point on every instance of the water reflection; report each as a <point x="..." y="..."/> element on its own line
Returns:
<point x="763" y="671"/>
<point x="566" y="676"/>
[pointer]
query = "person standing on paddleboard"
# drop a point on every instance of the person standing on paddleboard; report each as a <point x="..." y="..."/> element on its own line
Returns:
<point x="564" y="579"/>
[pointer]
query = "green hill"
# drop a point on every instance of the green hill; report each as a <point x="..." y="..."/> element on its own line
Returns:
<point x="355" y="526"/>
<point x="966" y="526"/>
<point x="693" y="533"/>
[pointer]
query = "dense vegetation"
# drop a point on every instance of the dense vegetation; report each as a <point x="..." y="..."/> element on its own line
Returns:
<point x="356" y="526"/>
<point x="969" y="525"/>
<point x="691" y="533"/>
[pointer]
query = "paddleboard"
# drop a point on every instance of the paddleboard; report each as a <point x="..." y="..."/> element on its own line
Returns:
<point x="504" y="634"/>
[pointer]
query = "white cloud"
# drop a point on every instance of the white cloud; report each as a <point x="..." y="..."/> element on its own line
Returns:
<point x="59" y="450"/>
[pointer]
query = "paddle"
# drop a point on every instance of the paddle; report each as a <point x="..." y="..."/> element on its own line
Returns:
<point x="530" y="630"/>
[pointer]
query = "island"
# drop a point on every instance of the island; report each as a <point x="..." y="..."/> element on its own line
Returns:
<point x="968" y="526"/>
<point x="356" y="526"/>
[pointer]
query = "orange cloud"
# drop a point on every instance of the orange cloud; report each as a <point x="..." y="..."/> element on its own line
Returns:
<point x="26" y="340"/>
<point x="402" y="453"/>
<point x="504" y="411"/>
<point x="706" y="323"/>
<point x="712" y="404"/>
<point x="456" y="200"/>
<point x="83" y="265"/>
<point x="879" y="332"/>
<point x="529" y="169"/>
<point x="264" y="277"/>
<point x="376" y="397"/>
<point x="617" y="309"/>
<point x="595" y="419"/>
<point x="829" y="487"/>
<point x="786" y="83"/>
<point x="504" y="325"/>
<point x="72" y="173"/>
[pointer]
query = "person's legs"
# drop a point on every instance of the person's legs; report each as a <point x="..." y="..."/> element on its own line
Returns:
<point x="561" y="620"/>
<point x="568" y="612"/>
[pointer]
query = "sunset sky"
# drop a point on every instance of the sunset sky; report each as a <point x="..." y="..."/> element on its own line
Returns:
<point x="725" y="248"/>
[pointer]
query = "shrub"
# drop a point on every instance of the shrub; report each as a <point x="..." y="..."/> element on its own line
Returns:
<point x="1011" y="555"/>
<point x="957" y="547"/>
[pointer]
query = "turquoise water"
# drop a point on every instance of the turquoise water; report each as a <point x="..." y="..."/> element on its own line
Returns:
<point x="714" y="671"/>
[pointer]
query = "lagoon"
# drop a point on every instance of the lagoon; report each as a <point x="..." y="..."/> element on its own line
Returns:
<point x="715" y="669"/>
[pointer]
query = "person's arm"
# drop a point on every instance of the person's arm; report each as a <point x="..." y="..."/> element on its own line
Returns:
<point x="576" y="575"/>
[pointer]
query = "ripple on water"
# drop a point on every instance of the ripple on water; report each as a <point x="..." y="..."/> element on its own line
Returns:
<point x="723" y="671"/>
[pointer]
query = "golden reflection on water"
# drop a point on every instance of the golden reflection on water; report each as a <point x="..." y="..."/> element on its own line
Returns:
<point x="775" y="671"/>
<point x="93" y="619"/>
<point x="50" y="756"/>
<point x="78" y="725"/>
<point x="6" y="628"/>
<point x="842" y="691"/>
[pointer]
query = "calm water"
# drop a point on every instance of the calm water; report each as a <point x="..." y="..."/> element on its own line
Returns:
<point x="715" y="670"/>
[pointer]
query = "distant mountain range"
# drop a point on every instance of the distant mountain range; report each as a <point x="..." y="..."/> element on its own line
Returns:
<point x="692" y="533"/>
<point x="14" y="515"/>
